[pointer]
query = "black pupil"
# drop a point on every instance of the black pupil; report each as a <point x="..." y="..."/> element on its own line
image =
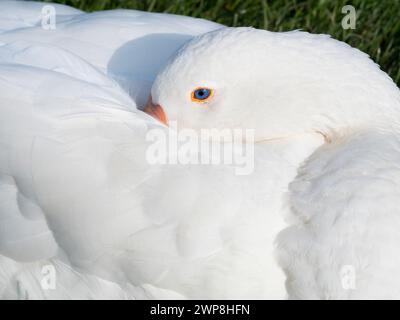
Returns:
<point x="201" y="93"/>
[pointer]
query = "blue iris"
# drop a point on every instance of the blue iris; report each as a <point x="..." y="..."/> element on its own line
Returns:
<point x="202" y="93"/>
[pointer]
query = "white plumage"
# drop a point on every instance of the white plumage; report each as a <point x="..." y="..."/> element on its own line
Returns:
<point x="77" y="192"/>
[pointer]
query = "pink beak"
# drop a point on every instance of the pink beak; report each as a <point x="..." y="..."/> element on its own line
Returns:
<point x="155" y="111"/>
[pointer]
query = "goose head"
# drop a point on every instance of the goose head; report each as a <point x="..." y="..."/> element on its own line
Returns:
<point x="279" y="84"/>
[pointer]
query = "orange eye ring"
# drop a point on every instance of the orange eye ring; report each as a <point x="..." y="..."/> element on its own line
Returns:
<point x="202" y="94"/>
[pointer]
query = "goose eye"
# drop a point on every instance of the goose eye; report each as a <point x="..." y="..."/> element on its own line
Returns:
<point x="201" y="94"/>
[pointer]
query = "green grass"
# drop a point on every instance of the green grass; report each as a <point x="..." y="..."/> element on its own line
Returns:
<point x="377" y="30"/>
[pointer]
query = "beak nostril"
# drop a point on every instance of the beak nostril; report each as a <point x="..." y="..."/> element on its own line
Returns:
<point x="155" y="111"/>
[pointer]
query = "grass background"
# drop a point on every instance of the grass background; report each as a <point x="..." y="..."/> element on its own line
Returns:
<point x="377" y="29"/>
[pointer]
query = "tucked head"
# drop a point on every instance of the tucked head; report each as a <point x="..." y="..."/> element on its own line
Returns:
<point x="279" y="84"/>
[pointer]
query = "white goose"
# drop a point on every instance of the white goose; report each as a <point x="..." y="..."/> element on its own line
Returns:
<point x="342" y="202"/>
<point x="78" y="193"/>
